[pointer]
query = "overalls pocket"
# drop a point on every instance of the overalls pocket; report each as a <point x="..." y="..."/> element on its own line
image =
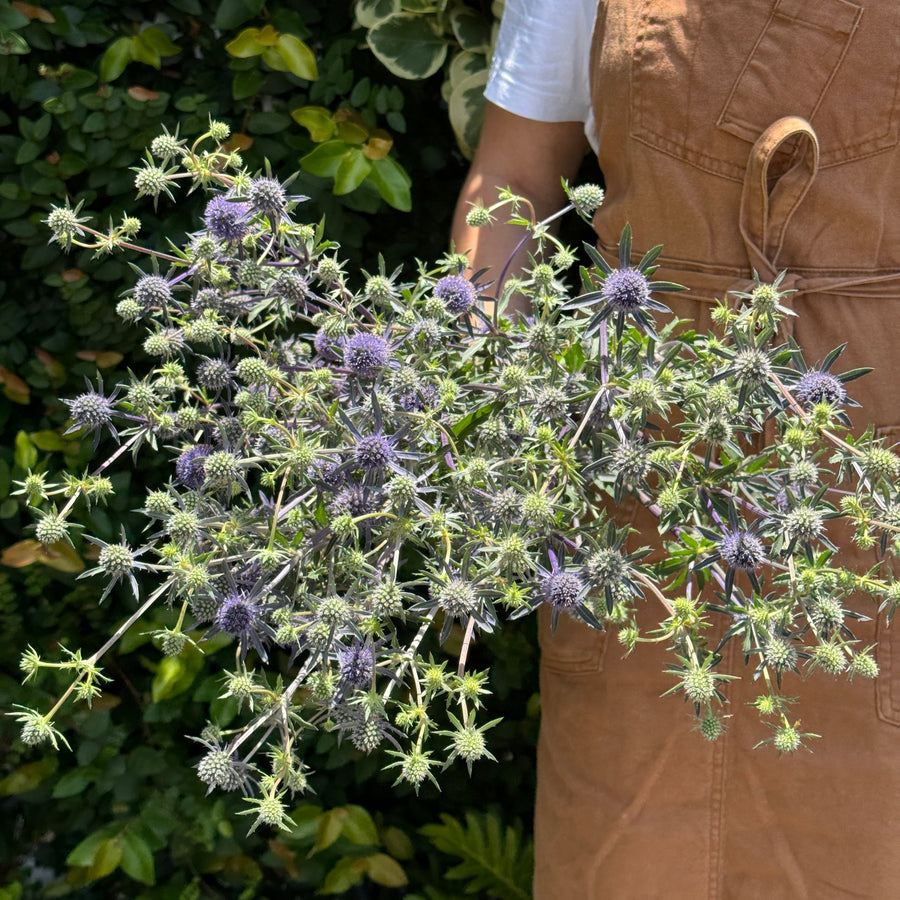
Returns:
<point x="703" y="104"/>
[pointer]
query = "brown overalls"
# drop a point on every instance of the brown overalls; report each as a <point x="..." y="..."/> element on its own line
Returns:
<point x="755" y="134"/>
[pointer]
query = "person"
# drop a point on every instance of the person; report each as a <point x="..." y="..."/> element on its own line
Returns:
<point x="758" y="136"/>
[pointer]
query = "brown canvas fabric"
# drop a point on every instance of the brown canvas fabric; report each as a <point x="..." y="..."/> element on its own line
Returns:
<point x="754" y="135"/>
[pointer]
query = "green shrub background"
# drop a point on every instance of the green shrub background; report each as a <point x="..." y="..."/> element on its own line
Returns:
<point x="123" y="814"/>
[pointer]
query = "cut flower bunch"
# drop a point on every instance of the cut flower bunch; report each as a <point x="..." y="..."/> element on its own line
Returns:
<point x="354" y="467"/>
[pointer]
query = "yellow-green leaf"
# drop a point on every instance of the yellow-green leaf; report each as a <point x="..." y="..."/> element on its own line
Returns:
<point x="352" y="132"/>
<point x="159" y="41"/>
<point x="300" y="60"/>
<point x="378" y="145"/>
<point x="28" y="777"/>
<point x="359" y="826"/>
<point x="26" y="453"/>
<point x="385" y="870"/>
<point x="107" y="857"/>
<point x="317" y="119"/>
<point x="268" y="36"/>
<point x="346" y="872"/>
<point x="246" y="44"/>
<point x="176" y="674"/>
<point x="329" y="829"/>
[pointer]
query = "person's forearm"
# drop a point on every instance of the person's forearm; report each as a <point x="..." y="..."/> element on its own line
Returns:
<point x="491" y="246"/>
<point x="528" y="157"/>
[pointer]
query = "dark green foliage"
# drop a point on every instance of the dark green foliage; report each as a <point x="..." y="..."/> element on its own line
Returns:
<point x="496" y="860"/>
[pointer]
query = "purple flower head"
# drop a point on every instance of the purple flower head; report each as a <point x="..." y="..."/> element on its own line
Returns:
<point x="366" y="353"/>
<point x="456" y="293"/>
<point x="375" y="452"/>
<point x="189" y="466"/>
<point x="626" y="290"/>
<point x="237" y="615"/>
<point x="818" y="387"/>
<point x="266" y="196"/>
<point x="358" y="664"/>
<point x="742" y="550"/>
<point x="328" y="347"/>
<point x="226" y="219"/>
<point x="561" y="589"/>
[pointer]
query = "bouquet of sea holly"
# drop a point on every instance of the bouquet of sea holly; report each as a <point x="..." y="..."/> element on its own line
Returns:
<point x="353" y="468"/>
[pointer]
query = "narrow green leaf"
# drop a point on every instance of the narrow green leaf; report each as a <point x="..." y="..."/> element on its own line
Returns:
<point x="137" y="858"/>
<point x="392" y="182"/>
<point x="117" y="56"/>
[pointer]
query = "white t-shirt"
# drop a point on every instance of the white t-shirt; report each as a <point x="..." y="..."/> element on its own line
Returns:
<point x="540" y="68"/>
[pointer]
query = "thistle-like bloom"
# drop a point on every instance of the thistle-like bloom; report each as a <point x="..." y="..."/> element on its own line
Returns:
<point x="152" y="290"/>
<point x="92" y="411"/>
<point x="266" y="196"/>
<point x="357" y="664"/>
<point x="375" y="452"/>
<point x="458" y="294"/>
<point x="189" y="467"/>
<point x="819" y="384"/>
<point x="625" y="292"/>
<point x="739" y="547"/>
<point x="241" y="616"/>
<point x="742" y="550"/>
<point x="820" y="387"/>
<point x="226" y="219"/>
<point x="366" y="353"/>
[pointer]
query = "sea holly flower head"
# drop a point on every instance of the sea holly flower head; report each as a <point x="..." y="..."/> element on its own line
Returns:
<point x="226" y="219"/>
<point x="366" y="353"/>
<point x="457" y="293"/>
